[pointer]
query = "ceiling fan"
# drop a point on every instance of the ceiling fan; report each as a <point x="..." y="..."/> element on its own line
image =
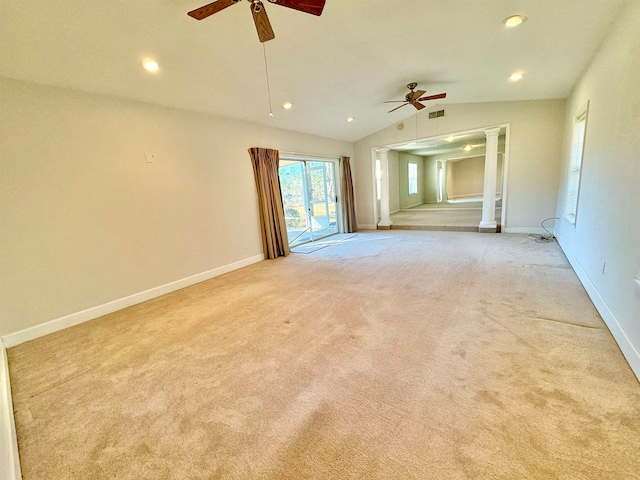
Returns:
<point x="263" y="26"/>
<point x="414" y="98"/>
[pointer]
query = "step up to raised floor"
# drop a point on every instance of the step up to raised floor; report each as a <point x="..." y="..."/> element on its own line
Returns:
<point x="440" y="228"/>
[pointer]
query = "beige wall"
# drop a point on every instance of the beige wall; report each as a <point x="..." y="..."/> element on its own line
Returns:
<point x="85" y="220"/>
<point x="534" y="154"/>
<point x="465" y="177"/>
<point x="394" y="186"/>
<point x="607" y="229"/>
<point x="430" y="180"/>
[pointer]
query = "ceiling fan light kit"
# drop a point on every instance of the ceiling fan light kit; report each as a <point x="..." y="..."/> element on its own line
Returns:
<point x="259" y="13"/>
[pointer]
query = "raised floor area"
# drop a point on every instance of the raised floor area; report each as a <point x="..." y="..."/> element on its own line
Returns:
<point x="450" y="216"/>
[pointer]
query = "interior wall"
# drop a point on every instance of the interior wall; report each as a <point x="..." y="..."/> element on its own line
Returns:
<point x="465" y="178"/>
<point x="86" y="220"/>
<point x="605" y="239"/>
<point x="406" y="200"/>
<point x="430" y="180"/>
<point x="535" y="151"/>
<point x="394" y="186"/>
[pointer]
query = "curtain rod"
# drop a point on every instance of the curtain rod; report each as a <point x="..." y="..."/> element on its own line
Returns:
<point x="310" y="155"/>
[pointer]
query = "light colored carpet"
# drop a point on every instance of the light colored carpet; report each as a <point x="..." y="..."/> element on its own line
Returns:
<point x="400" y="355"/>
<point x="323" y="243"/>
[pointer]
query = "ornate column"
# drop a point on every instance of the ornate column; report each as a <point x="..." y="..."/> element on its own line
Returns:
<point x="385" y="221"/>
<point x="488" y="223"/>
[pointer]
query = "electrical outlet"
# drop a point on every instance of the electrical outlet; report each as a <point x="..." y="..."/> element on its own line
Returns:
<point x="246" y="245"/>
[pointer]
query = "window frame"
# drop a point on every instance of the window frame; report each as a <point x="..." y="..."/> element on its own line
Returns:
<point x="378" y="179"/>
<point x="412" y="181"/>
<point x="576" y="157"/>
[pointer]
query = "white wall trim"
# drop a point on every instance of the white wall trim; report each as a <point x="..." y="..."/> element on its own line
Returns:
<point x="525" y="230"/>
<point x="61" y="323"/>
<point x="629" y="350"/>
<point x="9" y="458"/>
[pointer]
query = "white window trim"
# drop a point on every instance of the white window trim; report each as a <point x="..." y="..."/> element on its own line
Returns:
<point x="409" y="164"/>
<point x="378" y="179"/>
<point x="576" y="156"/>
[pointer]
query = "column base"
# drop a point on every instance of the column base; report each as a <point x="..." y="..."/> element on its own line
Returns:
<point x="385" y="225"/>
<point x="488" y="227"/>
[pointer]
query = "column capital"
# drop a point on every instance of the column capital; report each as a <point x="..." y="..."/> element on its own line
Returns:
<point x="492" y="132"/>
<point x="382" y="150"/>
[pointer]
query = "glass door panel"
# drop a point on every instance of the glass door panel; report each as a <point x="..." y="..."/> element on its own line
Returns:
<point x="294" y="199"/>
<point x="309" y="199"/>
<point x="322" y="199"/>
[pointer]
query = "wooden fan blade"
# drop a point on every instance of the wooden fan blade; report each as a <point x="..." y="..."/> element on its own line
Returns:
<point x="395" y="101"/>
<point x="418" y="105"/>
<point x="416" y="95"/>
<point x="432" y="97"/>
<point x="314" y="7"/>
<point x="398" y="107"/>
<point x="203" y="12"/>
<point x="263" y="25"/>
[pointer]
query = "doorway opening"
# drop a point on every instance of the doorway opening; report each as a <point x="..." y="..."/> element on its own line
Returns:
<point x="438" y="183"/>
<point x="309" y="198"/>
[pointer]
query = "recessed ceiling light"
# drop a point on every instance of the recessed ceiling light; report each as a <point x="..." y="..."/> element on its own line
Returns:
<point x="449" y="138"/>
<point x="351" y="119"/>
<point x="514" y="20"/>
<point x="516" y="76"/>
<point x="287" y="105"/>
<point x="150" y="65"/>
<point x="467" y="148"/>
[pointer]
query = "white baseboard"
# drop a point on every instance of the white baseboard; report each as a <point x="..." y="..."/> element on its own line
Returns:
<point x="525" y="230"/>
<point x="629" y="350"/>
<point x="76" y="318"/>
<point x="9" y="458"/>
<point x="367" y="226"/>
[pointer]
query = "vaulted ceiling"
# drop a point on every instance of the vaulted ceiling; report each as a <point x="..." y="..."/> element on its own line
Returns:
<point x="344" y="63"/>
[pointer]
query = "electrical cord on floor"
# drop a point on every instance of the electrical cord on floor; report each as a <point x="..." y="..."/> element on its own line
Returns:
<point x="543" y="238"/>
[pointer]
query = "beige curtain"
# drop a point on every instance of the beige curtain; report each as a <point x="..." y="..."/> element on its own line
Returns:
<point x="274" y="229"/>
<point x="348" y="199"/>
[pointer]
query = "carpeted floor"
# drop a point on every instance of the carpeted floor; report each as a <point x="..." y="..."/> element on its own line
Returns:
<point x="391" y="355"/>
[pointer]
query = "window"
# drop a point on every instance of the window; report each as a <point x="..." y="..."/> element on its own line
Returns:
<point x="575" y="164"/>
<point x="440" y="180"/>
<point x="378" y="179"/>
<point x="413" y="178"/>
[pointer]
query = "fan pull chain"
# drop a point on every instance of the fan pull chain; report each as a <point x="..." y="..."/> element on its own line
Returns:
<point x="266" y="71"/>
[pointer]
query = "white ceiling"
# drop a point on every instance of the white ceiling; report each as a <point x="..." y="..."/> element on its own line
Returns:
<point x="358" y="54"/>
<point x="445" y="144"/>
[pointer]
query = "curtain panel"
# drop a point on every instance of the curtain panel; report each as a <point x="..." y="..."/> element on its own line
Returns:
<point x="348" y="199"/>
<point x="274" y="229"/>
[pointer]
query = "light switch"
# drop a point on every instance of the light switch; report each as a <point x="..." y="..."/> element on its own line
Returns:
<point x="149" y="157"/>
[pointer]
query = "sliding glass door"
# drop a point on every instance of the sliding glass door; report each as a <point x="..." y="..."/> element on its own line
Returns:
<point x="310" y="199"/>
